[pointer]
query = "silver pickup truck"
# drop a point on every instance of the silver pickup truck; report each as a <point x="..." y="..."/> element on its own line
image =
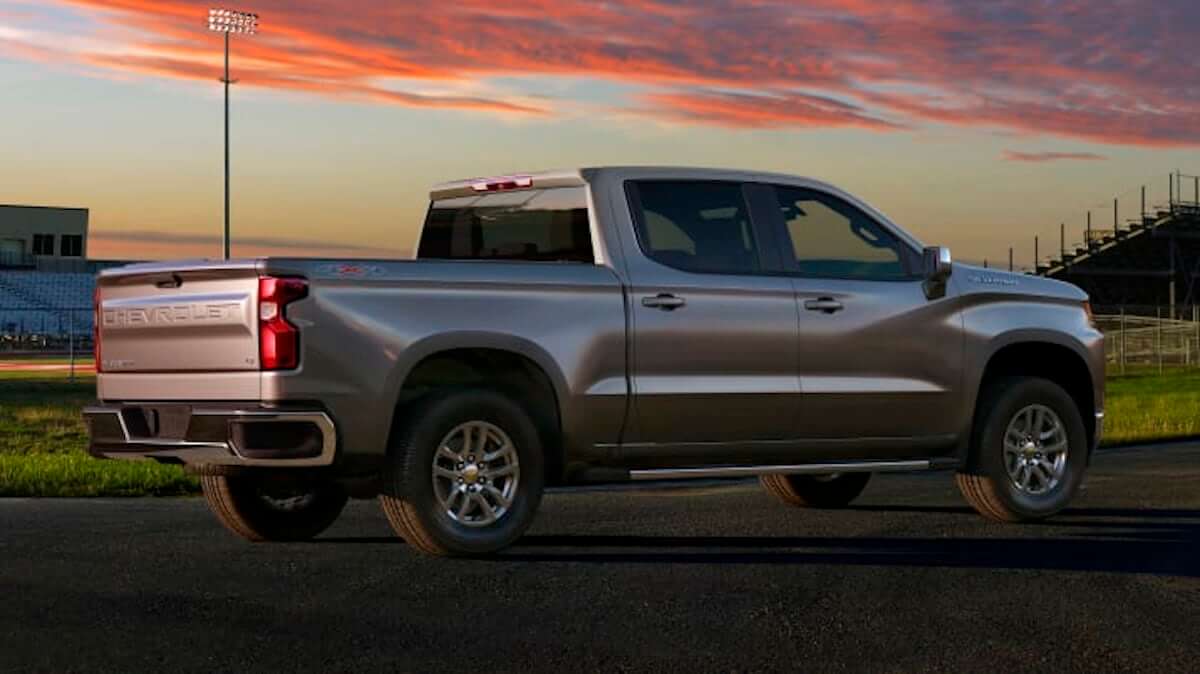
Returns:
<point x="598" y="325"/>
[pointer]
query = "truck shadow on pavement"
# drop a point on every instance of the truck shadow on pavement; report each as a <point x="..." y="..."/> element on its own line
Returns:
<point x="1111" y="540"/>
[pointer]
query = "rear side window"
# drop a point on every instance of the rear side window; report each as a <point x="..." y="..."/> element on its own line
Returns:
<point x="549" y="225"/>
<point x="695" y="226"/>
<point x="832" y="238"/>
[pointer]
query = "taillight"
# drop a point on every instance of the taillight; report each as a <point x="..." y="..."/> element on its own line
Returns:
<point x="96" y="317"/>
<point x="278" y="340"/>
<point x="502" y="183"/>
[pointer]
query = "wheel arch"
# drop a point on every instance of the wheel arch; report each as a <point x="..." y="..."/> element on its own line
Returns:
<point x="510" y="364"/>
<point x="1037" y="354"/>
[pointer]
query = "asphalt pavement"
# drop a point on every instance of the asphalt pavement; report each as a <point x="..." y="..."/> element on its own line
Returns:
<point x="717" y="577"/>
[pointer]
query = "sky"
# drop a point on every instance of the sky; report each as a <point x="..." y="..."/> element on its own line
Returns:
<point x="977" y="125"/>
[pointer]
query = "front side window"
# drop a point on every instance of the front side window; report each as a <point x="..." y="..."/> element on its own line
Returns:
<point x="697" y="226"/>
<point x="832" y="238"/>
<point x="547" y="225"/>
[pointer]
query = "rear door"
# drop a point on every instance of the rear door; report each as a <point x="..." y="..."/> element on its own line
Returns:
<point x="185" y="319"/>
<point x="877" y="359"/>
<point x="714" y="325"/>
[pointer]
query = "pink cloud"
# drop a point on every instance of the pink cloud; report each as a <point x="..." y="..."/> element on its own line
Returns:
<point x="1119" y="72"/>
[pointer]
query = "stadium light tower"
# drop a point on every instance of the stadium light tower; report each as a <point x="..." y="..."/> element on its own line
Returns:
<point x="228" y="21"/>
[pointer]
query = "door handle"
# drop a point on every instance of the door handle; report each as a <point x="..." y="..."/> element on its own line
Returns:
<point x="664" y="301"/>
<point x="823" y="304"/>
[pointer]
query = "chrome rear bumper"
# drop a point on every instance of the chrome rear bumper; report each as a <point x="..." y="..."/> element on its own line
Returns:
<point x="236" y="436"/>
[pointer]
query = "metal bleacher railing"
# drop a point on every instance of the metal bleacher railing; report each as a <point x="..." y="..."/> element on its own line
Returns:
<point x="1135" y="211"/>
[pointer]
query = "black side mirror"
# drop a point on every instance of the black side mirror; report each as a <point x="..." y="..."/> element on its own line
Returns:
<point x="937" y="266"/>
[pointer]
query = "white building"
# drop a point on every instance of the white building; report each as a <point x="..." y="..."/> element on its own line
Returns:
<point x="43" y="237"/>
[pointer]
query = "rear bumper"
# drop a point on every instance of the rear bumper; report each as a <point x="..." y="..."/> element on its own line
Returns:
<point x="212" y="434"/>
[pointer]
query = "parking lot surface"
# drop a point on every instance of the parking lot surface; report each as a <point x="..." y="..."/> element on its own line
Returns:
<point x="715" y="577"/>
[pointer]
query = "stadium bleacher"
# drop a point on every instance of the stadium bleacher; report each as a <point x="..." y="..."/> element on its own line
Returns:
<point x="53" y="304"/>
<point x="1149" y="266"/>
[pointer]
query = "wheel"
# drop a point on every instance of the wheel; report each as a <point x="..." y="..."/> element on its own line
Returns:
<point x="835" y="490"/>
<point x="1029" y="451"/>
<point x="464" y="474"/>
<point x="267" y="510"/>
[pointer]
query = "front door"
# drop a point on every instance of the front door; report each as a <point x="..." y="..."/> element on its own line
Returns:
<point x="877" y="359"/>
<point x="714" y="357"/>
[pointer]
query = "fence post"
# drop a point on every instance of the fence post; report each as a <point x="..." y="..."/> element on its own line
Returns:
<point x="1010" y="263"/>
<point x="1143" y="218"/>
<point x="1158" y="336"/>
<point x="1122" y="339"/>
<point x="1116" y="227"/>
<point x="71" y="345"/>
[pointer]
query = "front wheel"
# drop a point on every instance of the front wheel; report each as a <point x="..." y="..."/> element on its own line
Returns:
<point x="260" y="509"/>
<point x="835" y="490"/>
<point x="1028" y="453"/>
<point x="464" y="474"/>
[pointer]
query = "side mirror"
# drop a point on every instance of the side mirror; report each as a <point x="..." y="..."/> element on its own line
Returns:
<point x="937" y="266"/>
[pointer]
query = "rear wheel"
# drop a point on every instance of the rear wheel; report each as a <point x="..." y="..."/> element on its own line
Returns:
<point x="259" y="509"/>
<point x="835" y="490"/>
<point x="465" y="474"/>
<point x="1029" y="452"/>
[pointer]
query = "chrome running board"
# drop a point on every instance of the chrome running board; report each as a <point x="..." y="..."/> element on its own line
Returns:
<point x="797" y="469"/>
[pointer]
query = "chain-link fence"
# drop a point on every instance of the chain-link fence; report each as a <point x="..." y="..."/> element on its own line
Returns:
<point x="46" y="339"/>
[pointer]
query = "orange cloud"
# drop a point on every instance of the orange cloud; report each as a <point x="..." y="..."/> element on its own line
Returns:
<point x="1120" y="71"/>
<point x="1013" y="155"/>
<point x="765" y="110"/>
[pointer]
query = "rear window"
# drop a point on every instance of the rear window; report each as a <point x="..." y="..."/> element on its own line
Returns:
<point x="696" y="226"/>
<point x="549" y="225"/>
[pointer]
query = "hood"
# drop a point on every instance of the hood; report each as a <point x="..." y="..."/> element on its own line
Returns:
<point x="971" y="279"/>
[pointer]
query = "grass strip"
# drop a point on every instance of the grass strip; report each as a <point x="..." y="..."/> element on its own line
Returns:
<point x="77" y="474"/>
<point x="43" y="438"/>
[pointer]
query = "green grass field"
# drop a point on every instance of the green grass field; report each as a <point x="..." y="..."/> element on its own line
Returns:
<point x="1150" y="406"/>
<point x="42" y="437"/>
<point x="42" y="447"/>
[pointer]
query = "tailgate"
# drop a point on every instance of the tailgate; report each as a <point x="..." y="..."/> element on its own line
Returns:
<point x="179" y="317"/>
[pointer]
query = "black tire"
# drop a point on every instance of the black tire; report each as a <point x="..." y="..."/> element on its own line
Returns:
<point x="260" y="510"/>
<point x="816" y="491"/>
<point x="986" y="483"/>
<point x="408" y="498"/>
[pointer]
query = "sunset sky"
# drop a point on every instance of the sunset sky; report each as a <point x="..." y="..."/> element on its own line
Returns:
<point x="974" y="124"/>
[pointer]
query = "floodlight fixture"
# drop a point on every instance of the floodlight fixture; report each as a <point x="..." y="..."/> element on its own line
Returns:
<point x="230" y="21"/>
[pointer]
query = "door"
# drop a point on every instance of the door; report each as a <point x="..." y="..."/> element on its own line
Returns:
<point x="714" y="358"/>
<point x="876" y="358"/>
